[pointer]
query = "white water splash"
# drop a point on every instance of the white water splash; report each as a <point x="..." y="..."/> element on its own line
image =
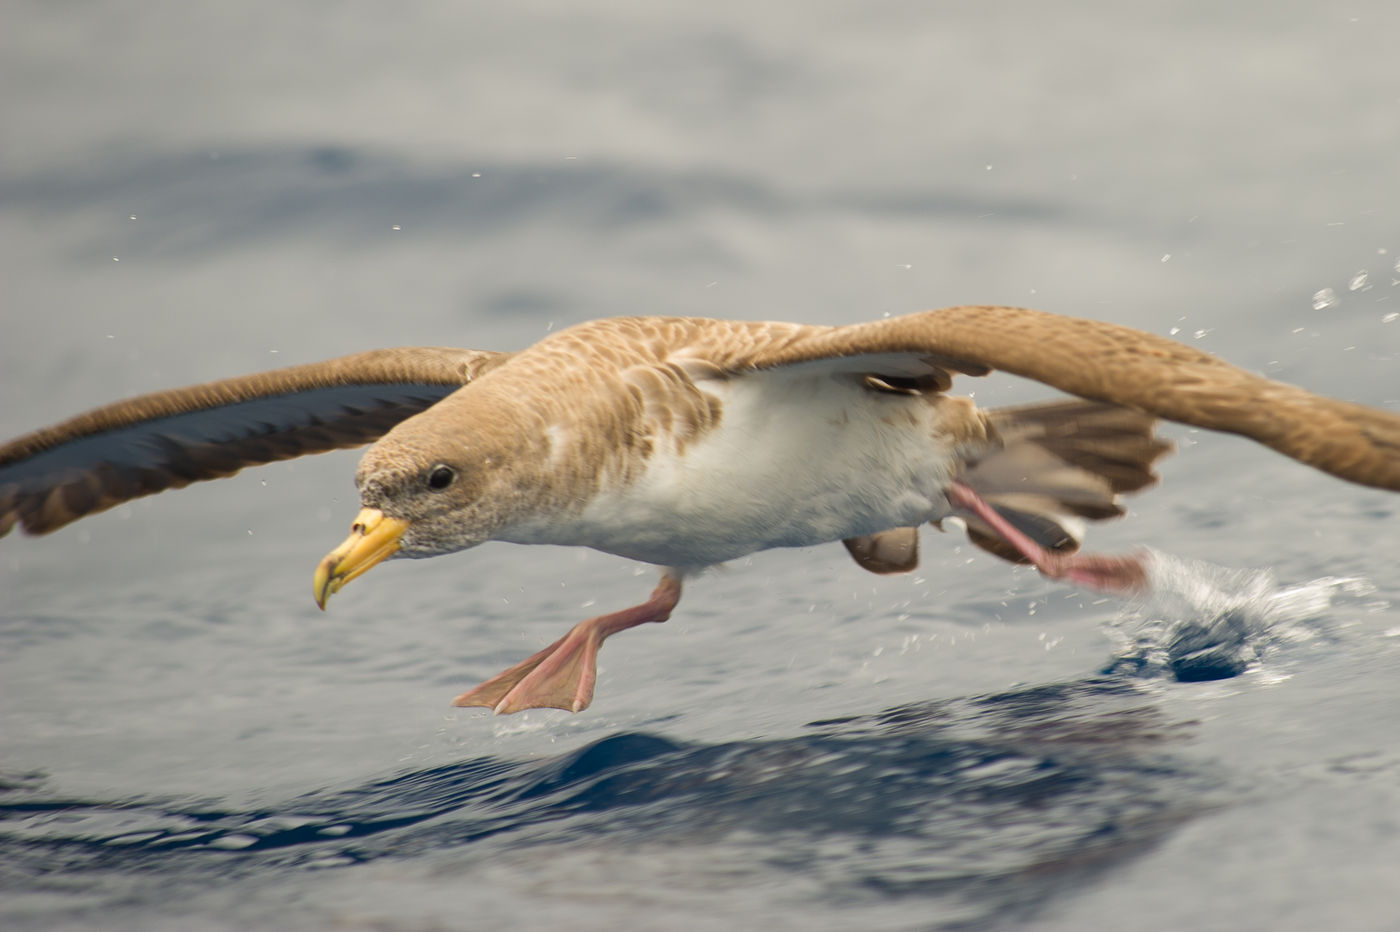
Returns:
<point x="1205" y="622"/>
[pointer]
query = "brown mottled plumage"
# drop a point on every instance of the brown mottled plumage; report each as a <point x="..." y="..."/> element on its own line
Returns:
<point x="685" y="442"/>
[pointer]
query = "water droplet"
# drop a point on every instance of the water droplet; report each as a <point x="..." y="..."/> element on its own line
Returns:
<point x="1174" y="331"/>
<point x="396" y="228"/>
<point x="1397" y="265"/>
<point x="1359" y="281"/>
<point x="1167" y="257"/>
<point x="1325" y="299"/>
<point x="1200" y="333"/>
<point x="1391" y="318"/>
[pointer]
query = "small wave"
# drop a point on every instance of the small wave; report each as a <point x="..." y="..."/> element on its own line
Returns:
<point x="986" y="806"/>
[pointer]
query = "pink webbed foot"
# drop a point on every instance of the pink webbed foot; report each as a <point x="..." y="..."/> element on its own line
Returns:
<point x="562" y="675"/>
<point x="1121" y="574"/>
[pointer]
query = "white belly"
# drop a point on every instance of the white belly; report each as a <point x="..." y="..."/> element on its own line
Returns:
<point x="798" y="459"/>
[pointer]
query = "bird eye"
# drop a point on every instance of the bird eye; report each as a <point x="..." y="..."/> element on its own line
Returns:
<point x="441" y="477"/>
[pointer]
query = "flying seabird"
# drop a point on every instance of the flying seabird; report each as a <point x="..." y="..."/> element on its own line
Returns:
<point x="685" y="442"/>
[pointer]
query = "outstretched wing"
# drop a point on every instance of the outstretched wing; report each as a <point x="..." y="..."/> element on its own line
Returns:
<point x="1095" y="360"/>
<point x="169" y="439"/>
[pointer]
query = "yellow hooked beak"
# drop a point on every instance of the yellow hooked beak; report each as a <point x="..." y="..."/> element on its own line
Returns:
<point x="373" y="539"/>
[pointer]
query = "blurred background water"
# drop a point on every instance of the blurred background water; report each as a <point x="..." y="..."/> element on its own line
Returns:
<point x="189" y="192"/>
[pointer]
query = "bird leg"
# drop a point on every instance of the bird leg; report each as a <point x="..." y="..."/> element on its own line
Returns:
<point x="1126" y="574"/>
<point x="562" y="675"/>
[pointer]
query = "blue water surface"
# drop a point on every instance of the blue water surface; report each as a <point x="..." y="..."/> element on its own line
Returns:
<point x="190" y="192"/>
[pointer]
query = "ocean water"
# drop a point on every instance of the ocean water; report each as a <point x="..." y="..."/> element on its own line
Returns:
<point x="187" y="743"/>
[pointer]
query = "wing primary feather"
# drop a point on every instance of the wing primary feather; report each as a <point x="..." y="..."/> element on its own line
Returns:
<point x="1122" y="366"/>
<point x="164" y="440"/>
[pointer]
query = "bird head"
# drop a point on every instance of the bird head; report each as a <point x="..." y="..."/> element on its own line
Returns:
<point x="427" y="487"/>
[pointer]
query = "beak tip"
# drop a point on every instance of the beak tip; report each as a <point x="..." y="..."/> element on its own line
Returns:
<point x="321" y="585"/>
<point x="373" y="539"/>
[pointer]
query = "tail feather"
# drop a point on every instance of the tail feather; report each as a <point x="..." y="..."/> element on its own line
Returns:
<point x="1056" y="464"/>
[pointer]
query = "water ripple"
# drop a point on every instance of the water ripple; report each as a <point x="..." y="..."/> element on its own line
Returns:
<point x="1000" y="801"/>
